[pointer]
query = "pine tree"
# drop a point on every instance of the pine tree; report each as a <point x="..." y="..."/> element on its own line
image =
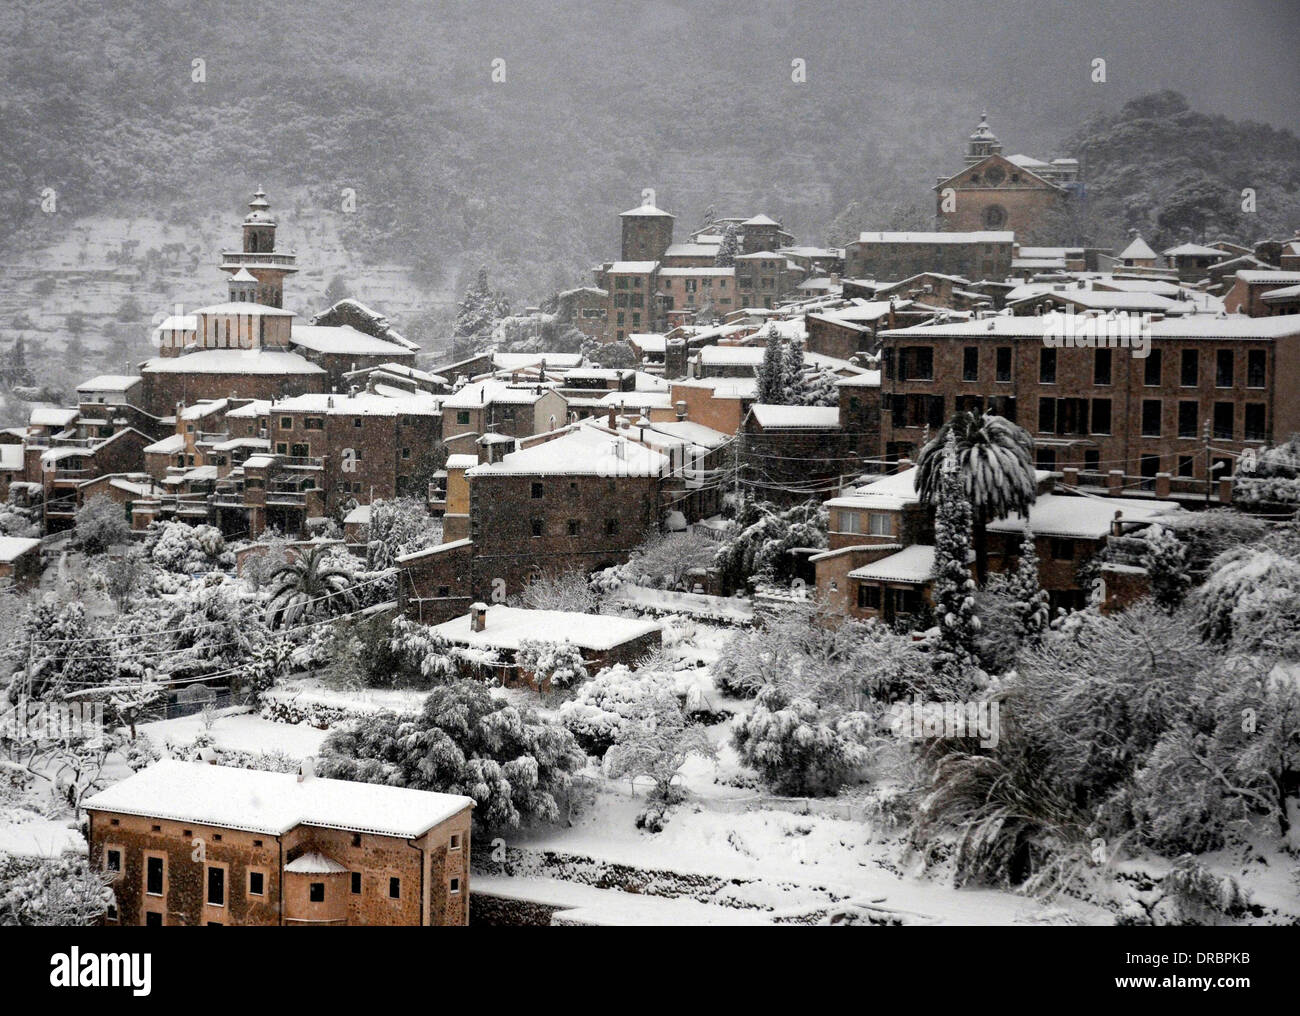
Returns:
<point x="1031" y="599"/>
<point x="476" y="313"/>
<point x="953" y="589"/>
<point x="728" y="249"/>
<point x="1166" y="562"/>
<point x="795" y="385"/>
<point x="771" y="372"/>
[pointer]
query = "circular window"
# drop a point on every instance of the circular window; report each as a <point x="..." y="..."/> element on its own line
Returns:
<point x="995" y="217"/>
<point x="994" y="176"/>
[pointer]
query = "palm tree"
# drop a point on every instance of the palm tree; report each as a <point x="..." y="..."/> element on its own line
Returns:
<point x="313" y="585"/>
<point x="996" y="459"/>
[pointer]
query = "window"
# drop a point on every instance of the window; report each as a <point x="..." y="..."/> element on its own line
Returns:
<point x="1150" y="417"/>
<point x="1003" y="363"/>
<point x="462" y="416"/>
<point x="970" y="363"/>
<point x="1072" y="416"/>
<point x="916" y="363"/>
<point x="153" y="919"/>
<point x="1101" y="367"/>
<point x="1148" y="466"/>
<point x="111" y="913"/>
<point x="313" y="423"/>
<point x="1189" y="375"/>
<point x="1046" y="459"/>
<point x="444" y="592"/>
<point x="1091" y="459"/>
<point x="1101" y="416"/>
<point x="216" y="886"/>
<point x="1151" y="369"/>
<point x="1062" y="550"/>
<point x="536" y="491"/>
<point x="453" y="886"/>
<point x="1186" y="465"/>
<point x="316" y="892"/>
<point x="611" y="527"/>
<point x="573" y="527"/>
<point x="1047" y="366"/>
<point x="869" y="597"/>
<point x="1255" y="366"/>
<point x="880" y="524"/>
<point x="395" y="888"/>
<point x="455" y="842"/>
<point x="406" y="453"/>
<point x="286" y="423"/>
<point x="1188" y="411"/>
<point x="1254" y="426"/>
<point x="1223" y="369"/>
<point x="356" y="883"/>
<point x="154" y="868"/>
<point x="256" y="883"/>
<point x="113" y="859"/>
<point x="1223" y="413"/>
<point x="850" y="522"/>
<point x="537" y="527"/>
<point x="1047" y="416"/>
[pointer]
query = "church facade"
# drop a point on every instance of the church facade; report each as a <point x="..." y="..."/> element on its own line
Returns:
<point x="1004" y="192"/>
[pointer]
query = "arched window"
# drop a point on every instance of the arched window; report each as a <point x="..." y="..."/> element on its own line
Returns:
<point x="995" y="217"/>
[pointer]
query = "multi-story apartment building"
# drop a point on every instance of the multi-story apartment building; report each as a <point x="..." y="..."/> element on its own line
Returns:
<point x="765" y="278"/>
<point x="187" y="843"/>
<point x="634" y="301"/>
<point x="1209" y="388"/>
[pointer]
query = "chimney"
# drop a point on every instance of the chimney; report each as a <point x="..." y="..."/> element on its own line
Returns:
<point x="680" y="406"/>
<point x="307" y="770"/>
<point x="1115" y="482"/>
<point x="611" y="418"/>
<point x="1162" y="485"/>
<point x="478" y="616"/>
<point x="1117" y="524"/>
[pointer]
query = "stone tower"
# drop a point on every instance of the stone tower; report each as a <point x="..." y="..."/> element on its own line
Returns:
<point x="259" y="258"/>
<point x="647" y="233"/>
<point x="983" y="142"/>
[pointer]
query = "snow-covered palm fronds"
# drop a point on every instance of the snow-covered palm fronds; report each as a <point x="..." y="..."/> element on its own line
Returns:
<point x="314" y="585"/>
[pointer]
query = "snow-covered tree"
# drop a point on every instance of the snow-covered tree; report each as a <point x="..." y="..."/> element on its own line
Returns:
<point x="187" y="550"/>
<point x="656" y="743"/>
<point x="399" y="526"/>
<point x="317" y="583"/>
<point x="1029" y="598"/>
<point x="53" y="892"/>
<point x="1165" y="560"/>
<point x="728" y="248"/>
<point x="771" y="372"/>
<point x="101" y="523"/>
<point x="555" y="666"/>
<point x="516" y="765"/>
<point x="801" y="747"/>
<point x="476" y="316"/>
<point x="1251" y="601"/>
<point x="760" y="546"/>
<point x="665" y="560"/>
<point x="794" y="387"/>
<point x="57" y="647"/>
<point x="953" y="589"/>
<point x="603" y="706"/>
<point x="124" y="576"/>
<point x="566" y="590"/>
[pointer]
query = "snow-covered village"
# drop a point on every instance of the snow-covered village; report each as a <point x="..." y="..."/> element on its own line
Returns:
<point x="674" y="538"/>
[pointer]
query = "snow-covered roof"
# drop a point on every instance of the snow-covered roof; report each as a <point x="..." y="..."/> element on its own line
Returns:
<point x="636" y="400"/>
<point x="1186" y="326"/>
<point x="1138" y="250"/>
<point x="437" y="548"/>
<point x="314" y="864"/>
<point x="867" y="379"/>
<point x="179" y="323"/>
<point x="1281" y="278"/>
<point x="632" y="267"/>
<point x="245" y="309"/>
<point x="1280" y="295"/>
<point x="205" y="407"/>
<point x="691" y="250"/>
<point x="724" y="387"/>
<point x="505" y="627"/>
<point x="11" y="457"/>
<point x="243" y="275"/>
<point x="462" y="461"/>
<point x="647" y="209"/>
<point x="712" y="271"/>
<point x="14" y="547"/>
<point x="259" y="801"/>
<point x="761" y="220"/>
<point x="1194" y="250"/>
<point x="52" y="416"/>
<point x="169" y="445"/>
<point x="973" y="236"/>
<point x="251" y="410"/>
<point x="696" y="433"/>
<point x="358" y="516"/>
<point x="1084" y="518"/>
<point x="911" y="564"/>
<point x="517" y="361"/>
<point x="772" y="417"/>
<point x="364" y="403"/>
<point x="649" y="342"/>
<point x="580" y="452"/>
<point x="343" y="339"/>
<point x="109" y="383"/>
<point x="483" y="393"/>
<point x="232" y="361"/>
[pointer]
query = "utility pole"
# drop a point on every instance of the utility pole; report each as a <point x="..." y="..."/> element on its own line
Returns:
<point x="1209" y="466"/>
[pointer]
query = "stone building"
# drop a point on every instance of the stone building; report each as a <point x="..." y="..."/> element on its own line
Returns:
<point x="977" y="254"/>
<point x="1210" y="388"/>
<point x="188" y="843"/>
<point x="999" y="192"/>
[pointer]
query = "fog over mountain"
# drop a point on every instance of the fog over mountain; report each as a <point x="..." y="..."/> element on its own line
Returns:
<point x="396" y="101"/>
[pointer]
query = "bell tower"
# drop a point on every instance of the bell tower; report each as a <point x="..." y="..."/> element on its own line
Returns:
<point x="983" y="142"/>
<point x="259" y="258"/>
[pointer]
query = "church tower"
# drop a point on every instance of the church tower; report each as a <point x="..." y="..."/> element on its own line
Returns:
<point x="983" y="142"/>
<point x="259" y="258"/>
